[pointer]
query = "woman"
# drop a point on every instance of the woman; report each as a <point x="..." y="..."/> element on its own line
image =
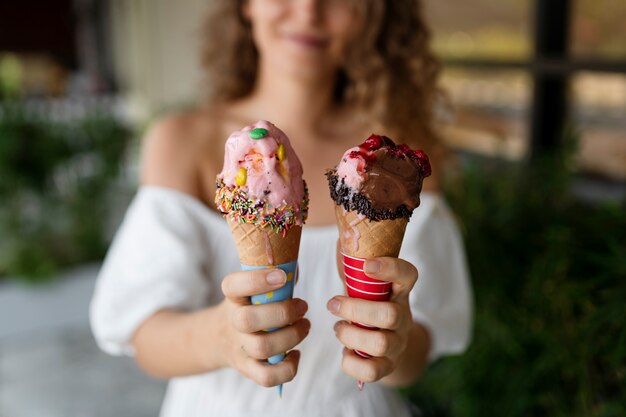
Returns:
<point x="328" y="73"/>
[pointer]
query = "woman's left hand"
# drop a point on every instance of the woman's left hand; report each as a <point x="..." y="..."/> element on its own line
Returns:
<point x="392" y="317"/>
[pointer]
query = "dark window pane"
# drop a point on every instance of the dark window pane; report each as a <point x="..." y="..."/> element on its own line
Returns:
<point x="499" y="30"/>
<point x="598" y="29"/>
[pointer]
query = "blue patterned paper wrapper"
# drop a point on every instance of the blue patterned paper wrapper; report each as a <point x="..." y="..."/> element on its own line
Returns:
<point x="281" y="294"/>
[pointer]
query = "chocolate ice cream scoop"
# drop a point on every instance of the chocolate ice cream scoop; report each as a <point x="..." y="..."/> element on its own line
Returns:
<point x="379" y="179"/>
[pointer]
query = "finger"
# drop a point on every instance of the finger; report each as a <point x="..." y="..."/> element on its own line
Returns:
<point x="382" y="314"/>
<point x="378" y="343"/>
<point x="366" y="370"/>
<point x="255" y="318"/>
<point x="268" y="375"/>
<point x="401" y="273"/>
<point x="238" y="286"/>
<point x="263" y="345"/>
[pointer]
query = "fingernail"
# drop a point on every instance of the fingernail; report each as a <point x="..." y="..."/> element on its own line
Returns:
<point x="301" y="307"/>
<point x="333" y="306"/>
<point x="276" y="277"/>
<point x="336" y="327"/>
<point x="371" y="266"/>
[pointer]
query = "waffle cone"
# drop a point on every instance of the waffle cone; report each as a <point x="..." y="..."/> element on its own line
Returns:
<point x="373" y="238"/>
<point x="259" y="246"/>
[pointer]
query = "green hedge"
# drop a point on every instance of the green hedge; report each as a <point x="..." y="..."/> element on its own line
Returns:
<point x="549" y="276"/>
<point x="55" y="183"/>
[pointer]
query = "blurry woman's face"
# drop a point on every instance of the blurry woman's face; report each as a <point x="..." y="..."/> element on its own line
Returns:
<point x="303" y="37"/>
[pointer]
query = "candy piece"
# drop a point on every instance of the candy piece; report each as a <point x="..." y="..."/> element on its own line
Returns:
<point x="280" y="154"/>
<point x="258" y="133"/>
<point x="242" y="177"/>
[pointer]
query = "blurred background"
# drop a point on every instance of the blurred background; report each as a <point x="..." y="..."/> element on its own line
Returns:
<point x="538" y="122"/>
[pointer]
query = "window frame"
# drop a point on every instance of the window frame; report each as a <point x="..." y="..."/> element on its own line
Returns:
<point x="550" y="69"/>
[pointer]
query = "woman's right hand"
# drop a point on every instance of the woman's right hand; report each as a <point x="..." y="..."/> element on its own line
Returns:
<point x="247" y="346"/>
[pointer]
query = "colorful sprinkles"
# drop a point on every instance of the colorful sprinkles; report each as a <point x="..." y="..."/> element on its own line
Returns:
<point x="258" y="133"/>
<point x="235" y="204"/>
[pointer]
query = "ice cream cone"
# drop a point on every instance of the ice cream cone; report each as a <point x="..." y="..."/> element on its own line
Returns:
<point x="264" y="198"/>
<point x="261" y="248"/>
<point x="375" y="187"/>
<point x="363" y="238"/>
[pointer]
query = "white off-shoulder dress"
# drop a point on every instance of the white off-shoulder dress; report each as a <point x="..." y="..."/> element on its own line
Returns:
<point x="171" y="251"/>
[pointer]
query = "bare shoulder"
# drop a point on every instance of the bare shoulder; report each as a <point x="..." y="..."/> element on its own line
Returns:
<point x="171" y="154"/>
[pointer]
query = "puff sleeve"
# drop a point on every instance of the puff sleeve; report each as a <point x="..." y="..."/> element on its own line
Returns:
<point x="441" y="299"/>
<point x="158" y="259"/>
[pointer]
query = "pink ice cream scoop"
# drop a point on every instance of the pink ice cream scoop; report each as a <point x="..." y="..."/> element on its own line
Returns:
<point x="261" y="181"/>
<point x="259" y="158"/>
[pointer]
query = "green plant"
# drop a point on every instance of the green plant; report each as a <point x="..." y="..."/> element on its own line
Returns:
<point x="549" y="276"/>
<point x="55" y="184"/>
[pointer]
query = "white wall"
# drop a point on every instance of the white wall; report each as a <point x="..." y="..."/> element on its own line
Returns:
<point x="156" y="47"/>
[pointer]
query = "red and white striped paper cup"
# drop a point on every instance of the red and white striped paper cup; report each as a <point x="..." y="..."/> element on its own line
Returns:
<point x="359" y="285"/>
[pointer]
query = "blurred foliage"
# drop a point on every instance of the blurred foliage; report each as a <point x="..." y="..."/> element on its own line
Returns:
<point x="55" y="183"/>
<point x="549" y="275"/>
<point x="10" y="76"/>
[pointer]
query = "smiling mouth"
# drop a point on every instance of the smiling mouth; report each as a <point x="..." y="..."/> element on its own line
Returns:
<point x="308" y="41"/>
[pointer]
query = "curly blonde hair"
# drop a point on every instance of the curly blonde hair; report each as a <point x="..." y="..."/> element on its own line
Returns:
<point x="389" y="70"/>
